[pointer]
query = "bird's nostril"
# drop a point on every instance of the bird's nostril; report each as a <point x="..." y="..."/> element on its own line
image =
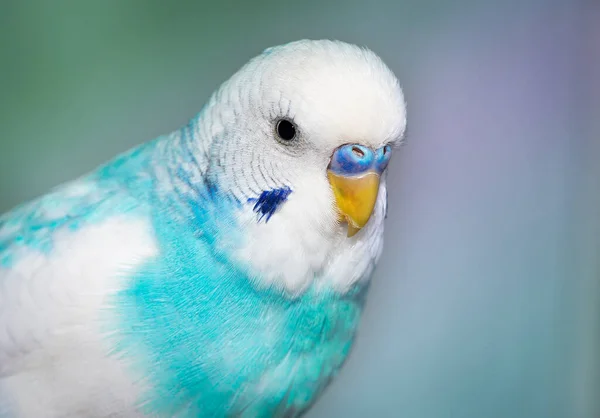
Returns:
<point x="358" y="152"/>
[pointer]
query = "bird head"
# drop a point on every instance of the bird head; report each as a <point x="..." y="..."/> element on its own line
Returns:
<point x="301" y="137"/>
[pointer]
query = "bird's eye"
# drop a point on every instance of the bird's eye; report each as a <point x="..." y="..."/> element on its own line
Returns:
<point x="286" y="129"/>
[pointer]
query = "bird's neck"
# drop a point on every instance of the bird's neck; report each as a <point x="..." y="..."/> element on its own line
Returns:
<point x="283" y="251"/>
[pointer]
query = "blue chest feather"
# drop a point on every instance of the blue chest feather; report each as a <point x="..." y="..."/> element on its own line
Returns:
<point x="190" y="322"/>
<point x="213" y="344"/>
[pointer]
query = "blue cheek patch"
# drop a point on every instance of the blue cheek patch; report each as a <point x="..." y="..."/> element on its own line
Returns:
<point x="382" y="158"/>
<point x="269" y="201"/>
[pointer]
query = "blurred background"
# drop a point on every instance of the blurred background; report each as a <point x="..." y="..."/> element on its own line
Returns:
<point x="487" y="299"/>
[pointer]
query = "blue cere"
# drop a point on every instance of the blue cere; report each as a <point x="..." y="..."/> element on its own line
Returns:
<point x="351" y="159"/>
<point x="382" y="158"/>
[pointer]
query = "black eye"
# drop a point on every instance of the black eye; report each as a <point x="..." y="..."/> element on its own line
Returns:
<point x="286" y="129"/>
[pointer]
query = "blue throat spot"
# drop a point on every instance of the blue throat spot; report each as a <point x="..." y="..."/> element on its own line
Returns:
<point x="269" y="201"/>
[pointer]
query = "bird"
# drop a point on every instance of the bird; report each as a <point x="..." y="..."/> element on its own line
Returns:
<point x="220" y="270"/>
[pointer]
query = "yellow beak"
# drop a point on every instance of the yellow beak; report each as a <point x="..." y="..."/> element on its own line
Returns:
<point x="355" y="197"/>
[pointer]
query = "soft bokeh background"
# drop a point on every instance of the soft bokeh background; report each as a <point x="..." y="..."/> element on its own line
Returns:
<point x="486" y="302"/>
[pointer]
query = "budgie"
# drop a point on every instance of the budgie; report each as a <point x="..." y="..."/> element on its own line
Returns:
<point x="217" y="271"/>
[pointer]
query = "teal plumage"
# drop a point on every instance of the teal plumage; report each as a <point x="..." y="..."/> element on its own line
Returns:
<point x="189" y="309"/>
<point x="224" y="301"/>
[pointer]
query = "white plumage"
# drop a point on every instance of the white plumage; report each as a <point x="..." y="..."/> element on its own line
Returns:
<point x="55" y="344"/>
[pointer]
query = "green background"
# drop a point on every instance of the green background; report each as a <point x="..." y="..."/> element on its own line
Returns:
<point x="486" y="302"/>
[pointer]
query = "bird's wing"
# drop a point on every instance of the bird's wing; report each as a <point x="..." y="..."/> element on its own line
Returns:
<point x="50" y="255"/>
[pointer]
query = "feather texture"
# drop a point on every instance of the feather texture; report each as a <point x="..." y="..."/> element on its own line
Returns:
<point x="204" y="273"/>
